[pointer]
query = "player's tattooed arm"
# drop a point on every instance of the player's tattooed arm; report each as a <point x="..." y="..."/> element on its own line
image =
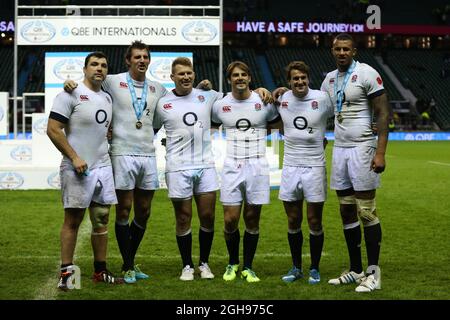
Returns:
<point x="381" y="110"/>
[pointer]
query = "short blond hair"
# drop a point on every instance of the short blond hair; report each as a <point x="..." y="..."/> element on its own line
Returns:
<point x="182" y="61"/>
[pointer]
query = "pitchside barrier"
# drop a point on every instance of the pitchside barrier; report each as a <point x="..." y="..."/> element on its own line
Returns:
<point x="34" y="163"/>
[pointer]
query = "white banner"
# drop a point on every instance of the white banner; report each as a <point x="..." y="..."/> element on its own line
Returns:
<point x="44" y="152"/>
<point x="161" y="66"/>
<point x="60" y="66"/>
<point x="85" y="30"/>
<point x="4" y="108"/>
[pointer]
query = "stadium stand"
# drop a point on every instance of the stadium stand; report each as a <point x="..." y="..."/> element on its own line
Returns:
<point x="425" y="73"/>
<point x="321" y="62"/>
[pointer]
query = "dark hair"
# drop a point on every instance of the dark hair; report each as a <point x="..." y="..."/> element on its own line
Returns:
<point x="182" y="61"/>
<point x="97" y="54"/>
<point x="239" y="64"/>
<point x="138" y="44"/>
<point x="343" y="37"/>
<point x="296" y="65"/>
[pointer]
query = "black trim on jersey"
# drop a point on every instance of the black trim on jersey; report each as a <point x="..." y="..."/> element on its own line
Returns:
<point x="109" y="94"/>
<point x="274" y="120"/>
<point x="179" y="95"/>
<point x="58" y="117"/>
<point x="375" y="94"/>
<point x="215" y="124"/>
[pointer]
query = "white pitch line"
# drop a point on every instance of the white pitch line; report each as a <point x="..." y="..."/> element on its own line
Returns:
<point x="49" y="291"/>
<point x="439" y="163"/>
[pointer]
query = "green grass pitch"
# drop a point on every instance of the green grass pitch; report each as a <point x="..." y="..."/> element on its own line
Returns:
<point x="413" y="204"/>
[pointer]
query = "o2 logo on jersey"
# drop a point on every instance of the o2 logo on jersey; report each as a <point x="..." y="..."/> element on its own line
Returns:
<point x="69" y="69"/>
<point x="300" y="123"/>
<point x="101" y="116"/>
<point x="190" y="119"/>
<point x="53" y="180"/>
<point x="161" y="69"/>
<point x="243" y="124"/>
<point x="11" y="180"/>
<point x="21" y="153"/>
<point x="314" y="105"/>
<point x="40" y="126"/>
<point x="38" y="31"/>
<point x="199" y="32"/>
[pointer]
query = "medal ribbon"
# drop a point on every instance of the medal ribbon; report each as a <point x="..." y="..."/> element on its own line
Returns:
<point x="340" y="95"/>
<point x="138" y="106"/>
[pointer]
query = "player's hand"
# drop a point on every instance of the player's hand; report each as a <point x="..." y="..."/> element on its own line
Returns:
<point x="70" y="85"/>
<point x="80" y="165"/>
<point x="265" y="95"/>
<point x="378" y="163"/>
<point x="278" y="92"/>
<point x="205" y="85"/>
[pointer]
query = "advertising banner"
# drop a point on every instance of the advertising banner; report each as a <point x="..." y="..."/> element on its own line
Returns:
<point x="86" y="30"/>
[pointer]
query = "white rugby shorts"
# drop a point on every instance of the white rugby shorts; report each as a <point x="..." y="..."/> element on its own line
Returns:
<point x="183" y="184"/>
<point x="132" y="172"/>
<point x="78" y="190"/>
<point x="298" y="183"/>
<point x="351" y="169"/>
<point x="245" y="180"/>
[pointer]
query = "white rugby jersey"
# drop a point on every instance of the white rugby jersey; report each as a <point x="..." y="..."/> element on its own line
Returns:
<point x="126" y="138"/>
<point x="187" y="121"/>
<point x="305" y="122"/>
<point x="363" y="84"/>
<point x="87" y="115"/>
<point x="245" y="123"/>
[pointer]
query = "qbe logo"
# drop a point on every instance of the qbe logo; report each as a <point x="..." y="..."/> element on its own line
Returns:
<point x="69" y="69"/>
<point x="11" y="180"/>
<point x="161" y="69"/>
<point x="199" y="32"/>
<point x="53" y="180"/>
<point x="38" y="31"/>
<point x="21" y="153"/>
<point x="40" y="126"/>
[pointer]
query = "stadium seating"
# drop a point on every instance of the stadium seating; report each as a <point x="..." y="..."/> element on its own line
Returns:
<point x="421" y="72"/>
<point x="321" y="62"/>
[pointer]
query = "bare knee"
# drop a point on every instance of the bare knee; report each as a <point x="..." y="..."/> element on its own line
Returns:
<point x="315" y="224"/>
